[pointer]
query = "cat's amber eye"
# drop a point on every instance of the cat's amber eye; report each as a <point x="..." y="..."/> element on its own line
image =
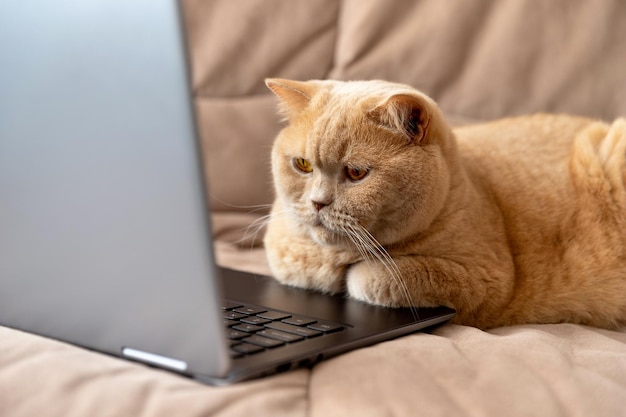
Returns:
<point x="303" y="165"/>
<point x="356" y="174"/>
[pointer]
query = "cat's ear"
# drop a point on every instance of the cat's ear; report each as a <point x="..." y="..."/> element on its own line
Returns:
<point x="294" y="95"/>
<point x="405" y="113"/>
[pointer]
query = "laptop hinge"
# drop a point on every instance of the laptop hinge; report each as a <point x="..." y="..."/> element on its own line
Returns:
<point x="154" y="359"/>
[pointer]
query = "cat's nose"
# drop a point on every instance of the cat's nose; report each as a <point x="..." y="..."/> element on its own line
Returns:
<point x="318" y="205"/>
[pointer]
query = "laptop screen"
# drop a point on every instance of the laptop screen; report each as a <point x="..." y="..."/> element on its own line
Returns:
<point x="104" y="238"/>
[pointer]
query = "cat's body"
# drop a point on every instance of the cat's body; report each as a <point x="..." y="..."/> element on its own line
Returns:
<point x="517" y="221"/>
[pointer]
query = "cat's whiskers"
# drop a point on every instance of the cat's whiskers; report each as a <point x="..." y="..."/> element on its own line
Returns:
<point x="252" y="207"/>
<point x="375" y="249"/>
<point x="371" y="249"/>
<point x="253" y="229"/>
<point x="357" y="241"/>
<point x="257" y="225"/>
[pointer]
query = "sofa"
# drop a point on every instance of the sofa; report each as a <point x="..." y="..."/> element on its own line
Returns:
<point x="480" y="60"/>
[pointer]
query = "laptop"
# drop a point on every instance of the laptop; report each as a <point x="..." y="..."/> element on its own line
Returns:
<point x="105" y="236"/>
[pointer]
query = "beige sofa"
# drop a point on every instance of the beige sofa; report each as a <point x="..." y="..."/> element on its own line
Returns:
<point x="480" y="60"/>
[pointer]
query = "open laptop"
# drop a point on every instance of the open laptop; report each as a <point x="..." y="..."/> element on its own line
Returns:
<point x="105" y="239"/>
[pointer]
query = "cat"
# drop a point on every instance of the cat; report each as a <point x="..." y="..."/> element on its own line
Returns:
<point x="521" y="220"/>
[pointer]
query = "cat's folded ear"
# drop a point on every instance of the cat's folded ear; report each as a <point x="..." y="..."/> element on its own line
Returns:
<point x="294" y="95"/>
<point x="407" y="114"/>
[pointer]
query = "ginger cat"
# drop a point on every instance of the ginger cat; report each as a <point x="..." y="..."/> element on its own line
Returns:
<point x="522" y="220"/>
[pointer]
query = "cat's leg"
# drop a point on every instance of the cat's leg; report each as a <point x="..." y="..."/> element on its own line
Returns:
<point x="423" y="281"/>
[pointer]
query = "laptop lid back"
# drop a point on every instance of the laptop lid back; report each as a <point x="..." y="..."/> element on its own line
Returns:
<point x="104" y="236"/>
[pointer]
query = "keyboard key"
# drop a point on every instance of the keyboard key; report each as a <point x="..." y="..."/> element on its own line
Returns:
<point x="255" y="320"/>
<point x="301" y="331"/>
<point x="233" y="315"/>
<point x="250" y="310"/>
<point x="263" y="341"/>
<point x="234" y="354"/>
<point x="229" y="305"/>
<point x="228" y="322"/>
<point x="274" y="315"/>
<point x="236" y="334"/>
<point x="299" y="320"/>
<point x="282" y="336"/>
<point x="247" y="348"/>
<point x="248" y="328"/>
<point x="325" y="327"/>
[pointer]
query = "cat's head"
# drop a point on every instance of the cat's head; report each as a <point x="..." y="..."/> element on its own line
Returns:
<point x="360" y="154"/>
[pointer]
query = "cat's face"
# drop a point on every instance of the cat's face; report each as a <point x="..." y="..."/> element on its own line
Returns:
<point x="359" y="159"/>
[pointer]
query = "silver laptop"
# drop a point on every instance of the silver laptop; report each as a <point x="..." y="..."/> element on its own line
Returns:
<point x="105" y="237"/>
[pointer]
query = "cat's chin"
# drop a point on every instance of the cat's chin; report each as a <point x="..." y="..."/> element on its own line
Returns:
<point x="327" y="237"/>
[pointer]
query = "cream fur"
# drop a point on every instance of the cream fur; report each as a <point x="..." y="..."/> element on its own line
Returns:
<point x="517" y="221"/>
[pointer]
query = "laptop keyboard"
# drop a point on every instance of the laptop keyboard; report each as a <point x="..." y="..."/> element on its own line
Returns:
<point x="253" y="329"/>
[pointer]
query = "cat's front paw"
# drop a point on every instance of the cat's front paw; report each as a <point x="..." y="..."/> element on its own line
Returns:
<point x="307" y="266"/>
<point x="316" y="275"/>
<point x="368" y="282"/>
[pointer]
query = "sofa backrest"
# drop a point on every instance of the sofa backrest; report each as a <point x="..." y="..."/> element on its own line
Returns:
<point x="479" y="59"/>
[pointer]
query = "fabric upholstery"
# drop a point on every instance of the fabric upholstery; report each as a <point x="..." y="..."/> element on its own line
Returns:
<point x="480" y="60"/>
